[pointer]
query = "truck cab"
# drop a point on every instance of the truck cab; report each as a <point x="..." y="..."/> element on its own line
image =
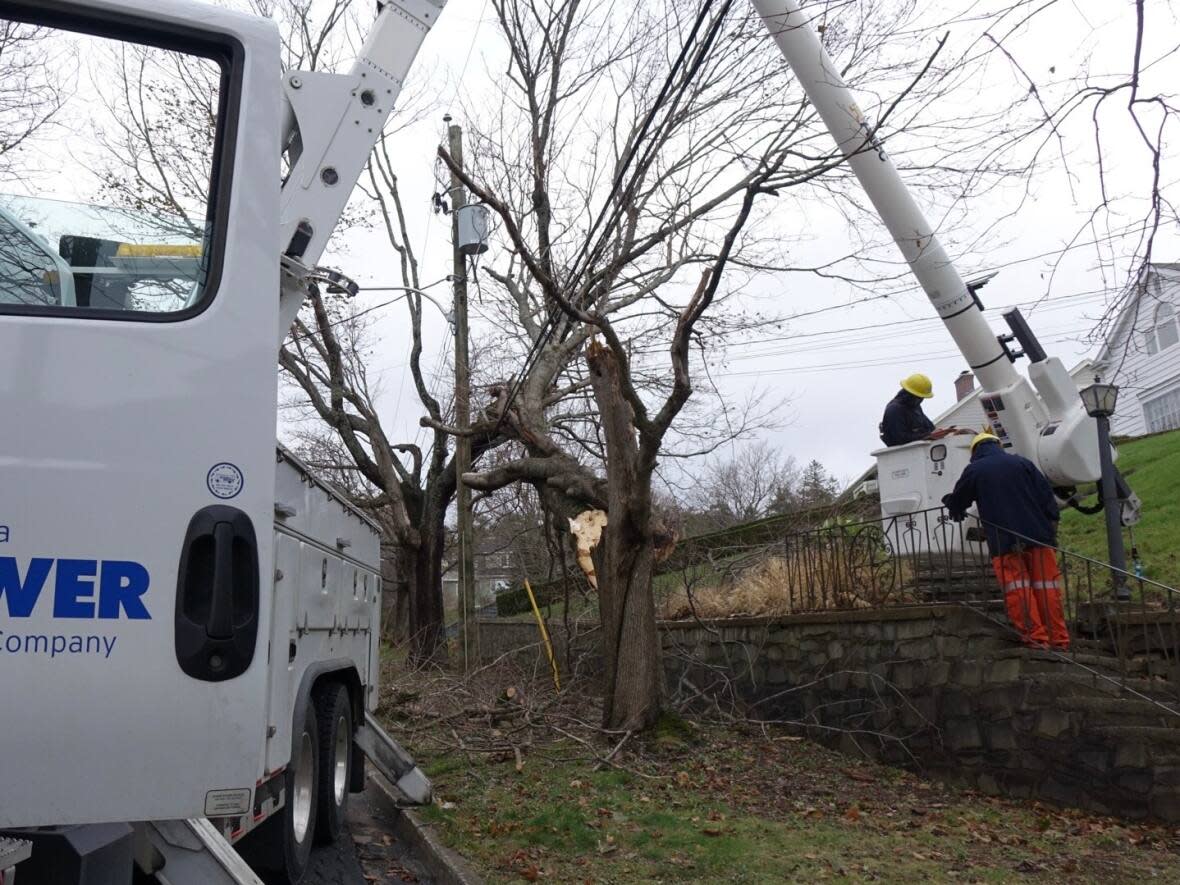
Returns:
<point x="137" y="378"/>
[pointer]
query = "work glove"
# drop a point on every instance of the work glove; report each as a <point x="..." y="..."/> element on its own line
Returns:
<point x="953" y="512"/>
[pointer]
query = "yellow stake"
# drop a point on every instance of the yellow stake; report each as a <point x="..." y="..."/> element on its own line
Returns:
<point x="544" y="634"/>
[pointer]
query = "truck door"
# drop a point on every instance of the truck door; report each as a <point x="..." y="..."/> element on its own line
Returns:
<point x="138" y="302"/>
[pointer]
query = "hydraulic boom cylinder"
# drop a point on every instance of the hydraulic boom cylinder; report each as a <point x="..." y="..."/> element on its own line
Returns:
<point x="867" y="158"/>
<point x="1055" y="432"/>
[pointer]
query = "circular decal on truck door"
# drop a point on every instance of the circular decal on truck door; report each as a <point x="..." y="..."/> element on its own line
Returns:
<point x="224" y="480"/>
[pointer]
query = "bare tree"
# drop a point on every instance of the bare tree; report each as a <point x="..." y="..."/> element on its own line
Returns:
<point x="680" y="149"/>
<point x="757" y="481"/>
<point x="34" y="79"/>
<point x="162" y="168"/>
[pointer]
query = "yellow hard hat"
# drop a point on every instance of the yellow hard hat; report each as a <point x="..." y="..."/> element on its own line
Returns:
<point x="919" y="385"/>
<point x="982" y="438"/>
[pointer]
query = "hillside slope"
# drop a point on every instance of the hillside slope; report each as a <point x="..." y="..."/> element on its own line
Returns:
<point x="1151" y="465"/>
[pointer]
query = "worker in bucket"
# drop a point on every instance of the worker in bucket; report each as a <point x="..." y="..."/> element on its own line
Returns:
<point x="904" y="420"/>
<point x="1019" y="514"/>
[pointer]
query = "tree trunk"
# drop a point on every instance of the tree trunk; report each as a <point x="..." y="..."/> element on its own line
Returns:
<point x="632" y="649"/>
<point x="427" y="626"/>
<point x="395" y="609"/>
<point x="627" y="555"/>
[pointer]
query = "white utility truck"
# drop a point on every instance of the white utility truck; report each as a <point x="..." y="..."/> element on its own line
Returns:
<point x="189" y="621"/>
<point x="1044" y="420"/>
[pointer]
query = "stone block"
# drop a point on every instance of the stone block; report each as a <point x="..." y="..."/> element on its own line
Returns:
<point x="1030" y="762"/>
<point x="1024" y="722"/>
<point x="938" y="673"/>
<point x="1093" y="761"/>
<point x="773" y="653"/>
<point x="835" y="649"/>
<point x="1001" y="737"/>
<point x="1051" y="723"/>
<point x="1004" y="670"/>
<point x="917" y="649"/>
<point x="956" y="703"/>
<point x="914" y="629"/>
<point x="838" y="681"/>
<point x="917" y="715"/>
<point x="1018" y="789"/>
<point x="950" y="646"/>
<point x="968" y="674"/>
<point x="1167" y="777"/>
<point x="987" y="784"/>
<point x="1166" y="806"/>
<point x="776" y="675"/>
<point x="1138" y="782"/>
<point x="903" y="676"/>
<point x="1058" y="791"/>
<point x="978" y="646"/>
<point x="1130" y="755"/>
<point x="962" y="734"/>
<point x="996" y="703"/>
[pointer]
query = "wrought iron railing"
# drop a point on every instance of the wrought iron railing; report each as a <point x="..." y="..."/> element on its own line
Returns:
<point x="927" y="558"/>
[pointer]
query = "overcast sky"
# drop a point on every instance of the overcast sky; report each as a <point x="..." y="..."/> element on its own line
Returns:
<point x="840" y="352"/>
<point x="840" y="358"/>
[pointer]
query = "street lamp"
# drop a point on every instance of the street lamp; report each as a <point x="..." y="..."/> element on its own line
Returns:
<point x="1100" y="400"/>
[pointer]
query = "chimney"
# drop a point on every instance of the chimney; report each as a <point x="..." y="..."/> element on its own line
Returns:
<point x="964" y="385"/>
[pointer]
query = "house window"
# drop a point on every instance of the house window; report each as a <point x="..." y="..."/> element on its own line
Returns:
<point x="1164" y="331"/>
<point x="1163" y="412"/>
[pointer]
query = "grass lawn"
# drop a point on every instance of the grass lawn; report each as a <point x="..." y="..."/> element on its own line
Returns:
<point x="1152" y="468"/>
<point x="521" y="793"/>
<point x="734" y="807"/>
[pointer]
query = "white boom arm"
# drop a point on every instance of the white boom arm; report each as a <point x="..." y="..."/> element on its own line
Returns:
<point x="1053" y="429"/>
<point x="331" y="123"/>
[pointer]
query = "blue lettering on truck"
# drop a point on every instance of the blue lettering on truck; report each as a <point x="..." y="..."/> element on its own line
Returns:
<point x="82" y="589"/>
<point x="117" y="586"/>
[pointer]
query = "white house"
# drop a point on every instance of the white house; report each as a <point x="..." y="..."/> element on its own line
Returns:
<point x="967" y="411"/>
<point x="1142" y="355"/>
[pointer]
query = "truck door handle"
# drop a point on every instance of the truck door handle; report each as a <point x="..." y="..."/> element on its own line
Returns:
<point x="217" y="595"/>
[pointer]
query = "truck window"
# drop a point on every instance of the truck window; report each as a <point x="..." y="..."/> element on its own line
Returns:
<point x="109" y="150"/>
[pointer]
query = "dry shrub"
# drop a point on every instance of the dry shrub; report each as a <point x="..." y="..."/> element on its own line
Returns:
<point x="779" y="586"/>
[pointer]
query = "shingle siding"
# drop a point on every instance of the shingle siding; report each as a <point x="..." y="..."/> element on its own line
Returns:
<point x="967" y="412"/>
<point x="1125" y="359"/>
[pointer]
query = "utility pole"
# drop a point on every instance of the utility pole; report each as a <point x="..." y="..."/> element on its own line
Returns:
<point x="470" y="633"/>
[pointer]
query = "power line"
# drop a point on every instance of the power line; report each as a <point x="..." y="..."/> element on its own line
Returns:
<point x="855" y="340"/>
<point x="587" y="257"/>
<point x="793" y="336"/>
<point x="861" y="364"/>
<point x="361" y="313"/>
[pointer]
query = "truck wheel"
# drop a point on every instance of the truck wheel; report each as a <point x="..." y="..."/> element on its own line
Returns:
<point x="334" y="709"/>
<point x="282" y="844"/>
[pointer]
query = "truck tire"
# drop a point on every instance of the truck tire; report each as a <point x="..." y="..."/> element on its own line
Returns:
<point x="334" y="710"/>
<point x="283" y="843"/>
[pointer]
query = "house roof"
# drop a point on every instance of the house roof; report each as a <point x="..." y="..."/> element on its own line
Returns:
<point x="1130" y="310"/>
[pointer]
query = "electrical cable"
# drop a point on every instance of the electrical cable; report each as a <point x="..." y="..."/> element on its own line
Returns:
<point x="550" y="324"/>
<point x="361" y="313"/>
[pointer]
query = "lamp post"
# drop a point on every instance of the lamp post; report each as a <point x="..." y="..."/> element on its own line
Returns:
<point x="1100" y="400"/>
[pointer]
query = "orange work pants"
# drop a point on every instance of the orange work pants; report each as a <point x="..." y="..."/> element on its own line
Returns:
<point x="1032" y="596"/>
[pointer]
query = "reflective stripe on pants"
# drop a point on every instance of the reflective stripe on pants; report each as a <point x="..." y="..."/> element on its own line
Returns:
<point x="1032" y="595"/>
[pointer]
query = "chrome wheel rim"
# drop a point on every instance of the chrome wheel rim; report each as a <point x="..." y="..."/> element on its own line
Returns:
<point x="340" y="771"/>
<point x="304" y="780"/>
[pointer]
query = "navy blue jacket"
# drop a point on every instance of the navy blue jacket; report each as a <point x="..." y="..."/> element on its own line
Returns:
<point x="1012" y="494"/>
<point x="904" y="420"/>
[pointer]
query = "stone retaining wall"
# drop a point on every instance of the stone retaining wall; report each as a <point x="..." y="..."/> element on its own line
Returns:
<point x="942" y="688"/>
